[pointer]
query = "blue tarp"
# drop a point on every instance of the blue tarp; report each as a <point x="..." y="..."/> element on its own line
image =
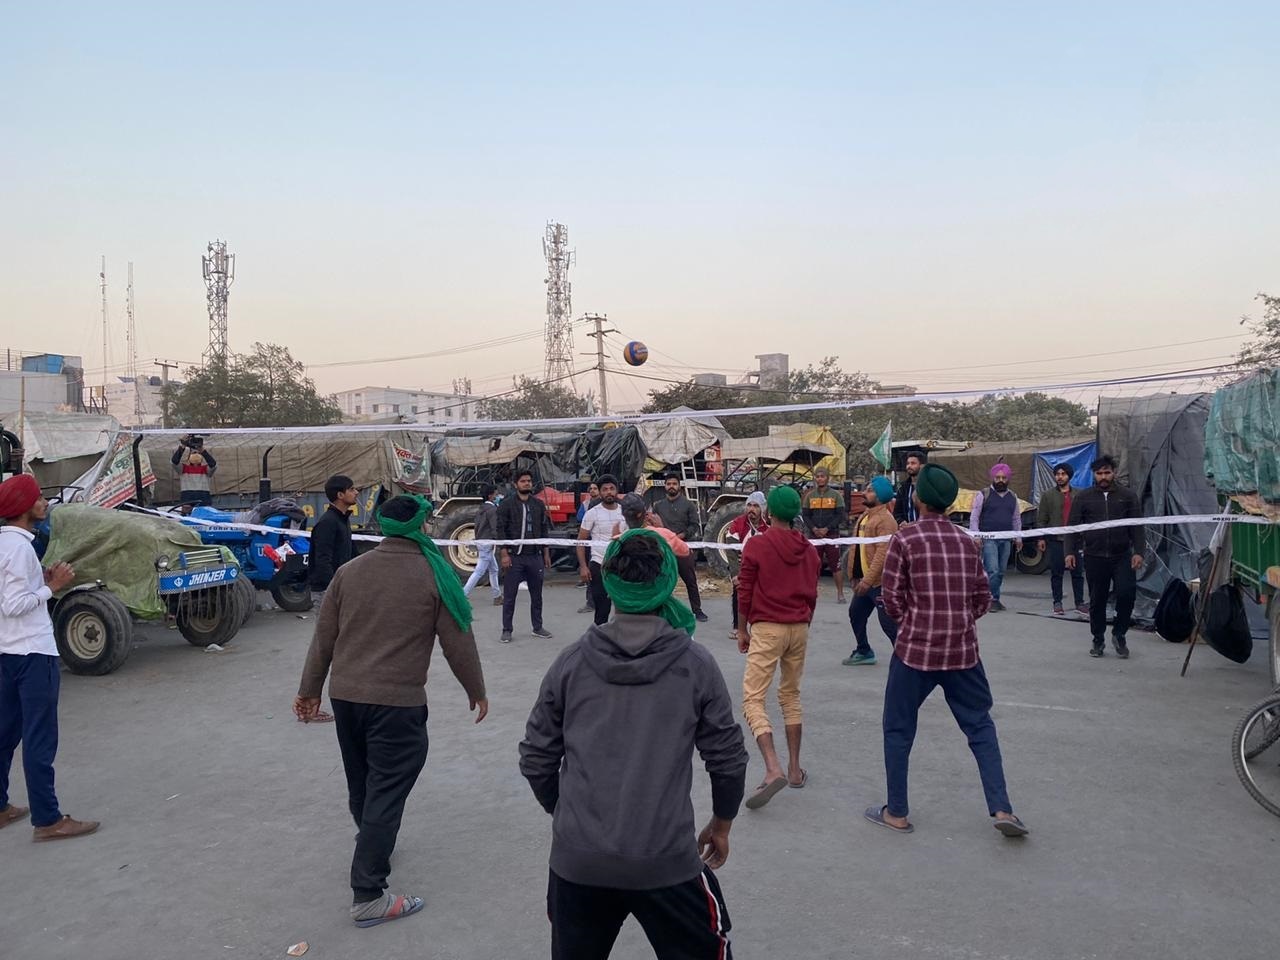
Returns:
<point x="1079" y="456"/>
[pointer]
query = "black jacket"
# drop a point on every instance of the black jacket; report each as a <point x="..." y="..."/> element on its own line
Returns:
<point x="608" y="746"/>
<point x="680" y="515"/>
<point x="330" y="547"/>
<point x="511" y="525"/>
<point x="1093" y="506"/>
<point x="904" y="509"/>
<point x="487" y="521"/>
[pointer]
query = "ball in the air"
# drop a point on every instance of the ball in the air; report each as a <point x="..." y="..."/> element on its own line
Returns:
<point x="635" y="353"/>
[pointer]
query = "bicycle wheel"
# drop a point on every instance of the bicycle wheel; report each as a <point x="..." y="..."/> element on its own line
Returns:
<point x="1256" y="753"/>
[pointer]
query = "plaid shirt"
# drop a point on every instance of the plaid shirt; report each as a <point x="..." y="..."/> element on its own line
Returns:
<point x="934" y="588"/>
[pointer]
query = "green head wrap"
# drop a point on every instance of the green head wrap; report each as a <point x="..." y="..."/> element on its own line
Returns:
<point x="654" y="597"/>
<point x="937" y="486"/>
<point x="455" y="601"/>
<point x="784" y="504"/>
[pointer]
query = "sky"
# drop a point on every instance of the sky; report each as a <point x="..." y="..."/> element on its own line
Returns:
<point x="947" y="195"/>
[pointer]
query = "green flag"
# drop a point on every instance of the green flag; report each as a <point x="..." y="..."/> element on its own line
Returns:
<point x="883" y="448"/>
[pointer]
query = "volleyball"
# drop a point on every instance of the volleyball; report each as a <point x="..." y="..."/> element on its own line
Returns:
<point x="635" y="353"/>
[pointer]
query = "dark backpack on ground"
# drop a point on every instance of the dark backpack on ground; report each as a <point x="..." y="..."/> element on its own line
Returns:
<point x="1226" y="625"/>
<point x="1175" y="616"/>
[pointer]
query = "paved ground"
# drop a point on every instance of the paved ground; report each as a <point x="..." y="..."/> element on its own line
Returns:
<point x="225" y="832"/>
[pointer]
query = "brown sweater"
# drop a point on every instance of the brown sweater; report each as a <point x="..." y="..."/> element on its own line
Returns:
<point x="377" y="626"/>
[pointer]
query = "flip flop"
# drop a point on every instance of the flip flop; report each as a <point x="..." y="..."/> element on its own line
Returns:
<point x="804" y="778"/>
<point x="1011" y="828"/>
<point x="400" y="907"/>
<point x="765" y="792"/>
<point x="320" y="717"/>
<point x="876" y="815"/>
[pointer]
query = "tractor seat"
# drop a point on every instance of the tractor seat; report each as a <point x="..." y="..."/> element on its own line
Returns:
<point x="213" y="514"/>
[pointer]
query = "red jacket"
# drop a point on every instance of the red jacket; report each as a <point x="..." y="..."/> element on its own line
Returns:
<point x="778" y="582"/>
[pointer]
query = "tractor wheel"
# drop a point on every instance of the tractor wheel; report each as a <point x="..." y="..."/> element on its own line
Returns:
<point x="293" y="596"/>
<point x="94" y="632"/>
<point x="718" y="532"/>
<point x="461" y="526"/>
<point x="210" y="616"/>
<point x="1029" y="560"/>
<point x="248" y="597"/>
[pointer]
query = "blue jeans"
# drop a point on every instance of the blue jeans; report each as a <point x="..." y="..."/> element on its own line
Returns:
<point x="969" y="697"/>
<point x="995" y="560"/>
<point x="29" y="687"/>
<point x="488" y="563"/>
<point x="860" y="612"/>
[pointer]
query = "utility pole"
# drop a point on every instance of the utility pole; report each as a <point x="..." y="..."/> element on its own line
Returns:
<point x="600" y="319"/>
<point x="165" y="366"/>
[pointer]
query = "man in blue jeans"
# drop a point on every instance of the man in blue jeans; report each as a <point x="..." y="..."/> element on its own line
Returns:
<point x="995" y="510"/>
<point x="29" y="679"/>
<point x="934" y="588"/>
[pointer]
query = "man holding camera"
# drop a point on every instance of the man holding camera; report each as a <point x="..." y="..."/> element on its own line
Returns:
<point x="195" y="466"/>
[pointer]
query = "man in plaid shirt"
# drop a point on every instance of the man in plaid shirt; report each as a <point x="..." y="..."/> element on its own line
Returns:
<point x="935" y="589"/>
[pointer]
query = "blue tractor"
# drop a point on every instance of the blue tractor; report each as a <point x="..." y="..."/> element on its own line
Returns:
<point x="271" y="561"/>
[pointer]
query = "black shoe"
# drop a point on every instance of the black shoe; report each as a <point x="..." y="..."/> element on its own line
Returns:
<point x="544" y="634"/>
<point x="506" y="637"/>
<point x="1122" y="648"/>
<point x="701" y="617"/>
<point x="997" y="607"/>
<point x="1099" y="649"/>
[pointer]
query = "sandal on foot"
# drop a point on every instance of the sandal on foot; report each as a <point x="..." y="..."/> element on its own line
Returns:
<point x="400" y="907"/>
<point x="765" y="792"/>
<point x="320" y="717"/>
<point x="804" y="778"/>
<point x="1012" y="827"/>
<point x="876" y="815"/>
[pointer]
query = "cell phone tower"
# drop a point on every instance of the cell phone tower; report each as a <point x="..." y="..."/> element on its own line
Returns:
<point x="559" y="338"/>
<point x="219" y="273"/>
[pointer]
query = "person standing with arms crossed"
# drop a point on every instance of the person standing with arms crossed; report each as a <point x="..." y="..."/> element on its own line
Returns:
<point x="935" y="590"/>
<point x="823" y="511"/>
<point x="29" y="677"/>
<point x="599" y="526"/>
<point x="679" y="514"/>
<point x="1112" y="557"/>
<point x="777" y="594"/>
<point x="486" y="528"/>
<point x="523" y="517"/>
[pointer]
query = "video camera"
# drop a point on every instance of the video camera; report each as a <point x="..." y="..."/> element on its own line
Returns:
<point x="192" y="441"/>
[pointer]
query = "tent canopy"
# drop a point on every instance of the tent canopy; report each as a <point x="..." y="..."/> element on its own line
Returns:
<point x="972" y="466"/>
<point x="60" y="447"/>
<point x="1242" y="437"/>
<point x="816" y="434"/>
<point x="676" y="440"/>
<point x="781" y="449"/>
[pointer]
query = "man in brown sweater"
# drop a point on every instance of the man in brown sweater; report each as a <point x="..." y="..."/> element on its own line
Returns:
<point x="375" y="632"/>
<point x="865" y="563"/>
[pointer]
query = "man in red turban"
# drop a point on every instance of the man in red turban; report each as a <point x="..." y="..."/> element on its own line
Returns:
<point x="29" y="678"/>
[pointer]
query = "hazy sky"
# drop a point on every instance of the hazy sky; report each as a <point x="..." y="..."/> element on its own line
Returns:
<point x="918" y="188"/>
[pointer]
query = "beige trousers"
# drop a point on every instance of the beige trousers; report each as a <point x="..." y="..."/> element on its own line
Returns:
<point x="773" y="644"/>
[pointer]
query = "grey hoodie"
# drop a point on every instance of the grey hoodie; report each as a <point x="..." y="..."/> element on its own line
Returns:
<point x="608" y="751"/>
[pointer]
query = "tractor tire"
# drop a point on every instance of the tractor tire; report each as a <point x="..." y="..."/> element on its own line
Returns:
<point x="211" y="616"/>
<point x="94" y="632"/>
<point x="717" y="531"/>
<point x="461" y="525"/>
<point x="1029" y="561"/>
<point x="293" y="596"/>
<point x="1273" y="620"/>
<point x="248" y="597"/>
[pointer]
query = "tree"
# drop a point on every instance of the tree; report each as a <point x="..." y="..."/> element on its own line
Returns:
<point x="1264" y="349"/>
<point x="531" y="399"/>
<point x="264" y="388"/>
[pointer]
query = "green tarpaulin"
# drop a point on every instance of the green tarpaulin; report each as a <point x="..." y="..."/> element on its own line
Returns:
<point x="120" y="549"/>
<point x="1242" y="437"/>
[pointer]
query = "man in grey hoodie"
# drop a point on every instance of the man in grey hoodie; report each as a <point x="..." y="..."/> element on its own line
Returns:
<point x="607" y="751"/>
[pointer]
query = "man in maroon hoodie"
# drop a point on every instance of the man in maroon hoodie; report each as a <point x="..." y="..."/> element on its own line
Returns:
<point x="777" y="593"/>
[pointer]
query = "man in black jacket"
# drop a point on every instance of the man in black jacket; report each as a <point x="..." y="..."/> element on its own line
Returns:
<point x="607" y="751"/>
<point x="523" y="517"/>
<point x="904" y="504"/>
<point x="1112" y="557"/>
<point x="679" y="514"/>
<point x="331" y="536"/>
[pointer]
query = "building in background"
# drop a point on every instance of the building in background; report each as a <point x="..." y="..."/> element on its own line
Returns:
<point x="412" y="406"/>
<point x="42" y="382"/>
<point x="124" y="395"/>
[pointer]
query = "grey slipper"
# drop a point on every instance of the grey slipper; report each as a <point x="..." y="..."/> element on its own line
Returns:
<point x="765" y="792"/>
<point x="1011" y="828"/>
<point x="876" y="816"/>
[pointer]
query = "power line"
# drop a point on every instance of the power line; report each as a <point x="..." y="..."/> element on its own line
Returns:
<point x="447" y="352"/>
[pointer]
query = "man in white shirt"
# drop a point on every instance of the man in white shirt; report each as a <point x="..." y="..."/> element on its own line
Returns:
<point x="600" y="525"/>
<point x="29" y="679"/>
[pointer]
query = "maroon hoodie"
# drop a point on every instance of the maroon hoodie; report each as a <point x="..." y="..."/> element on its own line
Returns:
<point x="779" y="578"/>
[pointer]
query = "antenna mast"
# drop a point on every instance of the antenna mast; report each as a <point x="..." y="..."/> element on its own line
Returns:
<point x="219" y="268"/>
<point x="559" y="337"/>
<point x="106" y="362"/>
<point x="132" y="336"/>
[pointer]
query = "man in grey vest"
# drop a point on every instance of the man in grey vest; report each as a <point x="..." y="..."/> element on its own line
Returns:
<point x="995" y="510"/>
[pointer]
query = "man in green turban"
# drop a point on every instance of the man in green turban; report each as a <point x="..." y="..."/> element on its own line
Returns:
<point x="608" y="752"/>
<point x="374" y="635"/>
<point x="777" y="594"/>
